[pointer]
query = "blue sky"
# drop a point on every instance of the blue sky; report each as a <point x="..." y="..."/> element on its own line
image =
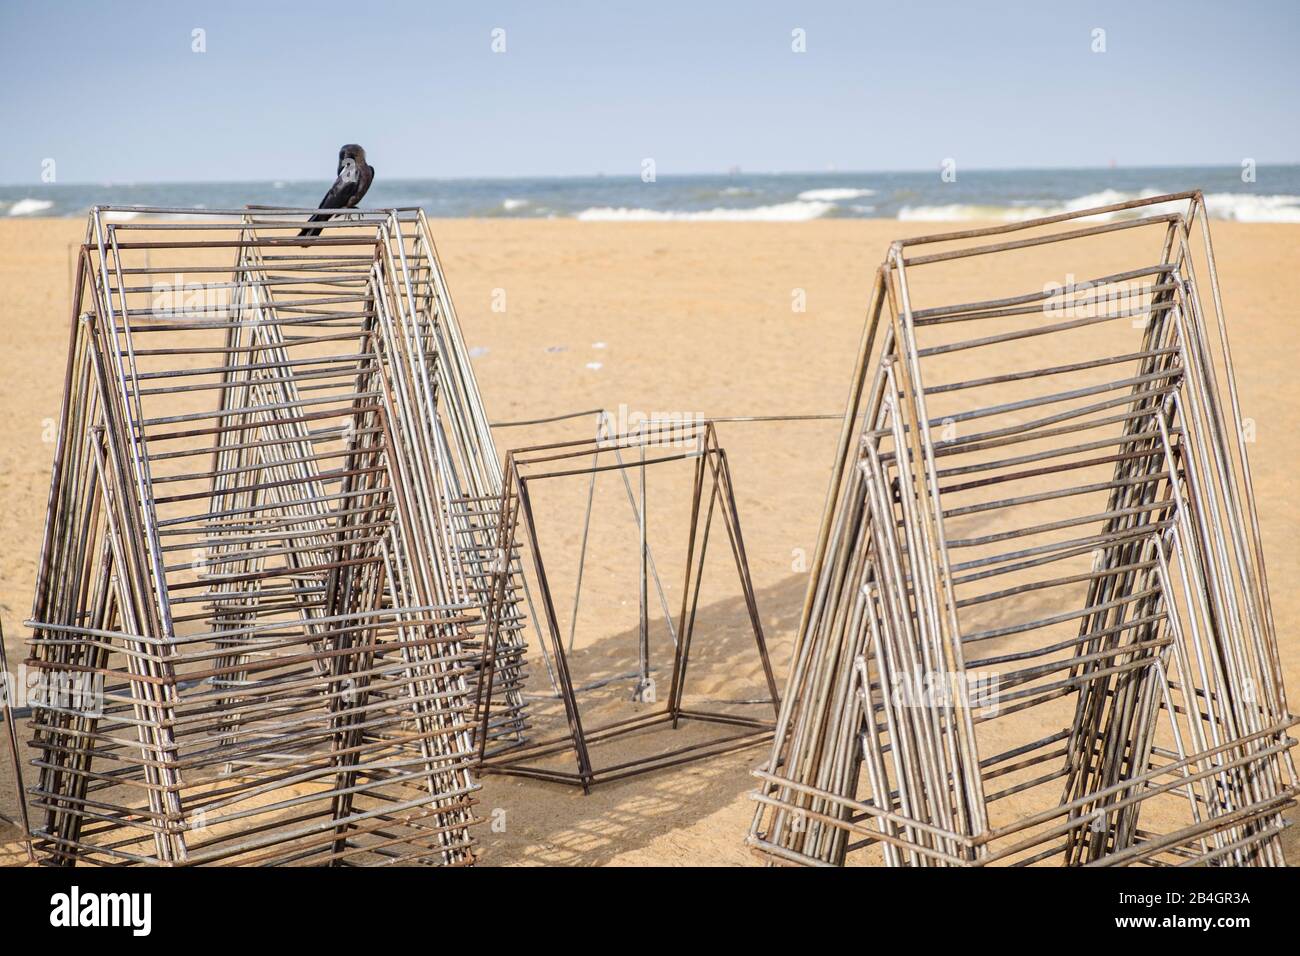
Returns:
<point x="114" y="93"/>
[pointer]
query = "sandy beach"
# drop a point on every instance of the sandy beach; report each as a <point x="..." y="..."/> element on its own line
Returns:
<point x="697" y="319"/>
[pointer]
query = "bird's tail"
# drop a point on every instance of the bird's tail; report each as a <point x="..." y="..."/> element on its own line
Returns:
<point x="319" y="217"/>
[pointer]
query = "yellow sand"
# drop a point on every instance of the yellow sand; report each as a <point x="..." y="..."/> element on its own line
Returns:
<point x="698" y="319"/>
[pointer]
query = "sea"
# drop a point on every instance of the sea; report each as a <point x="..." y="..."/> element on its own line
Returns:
<point x="1261" y="194"/>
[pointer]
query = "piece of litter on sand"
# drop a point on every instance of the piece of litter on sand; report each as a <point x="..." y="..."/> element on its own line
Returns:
<point x="598" y="345"/>
<point x="557" y="348"/>
<point x="593" y="365"/>
<point x="478" y="351"/>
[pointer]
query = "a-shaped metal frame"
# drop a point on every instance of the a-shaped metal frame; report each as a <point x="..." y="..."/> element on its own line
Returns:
<point x="460" y="441"/>
<point x="457" y="437"/>
<point x="653" y="445"/>
<point x="1038" y="626"/>
<point x="249" y="552"/>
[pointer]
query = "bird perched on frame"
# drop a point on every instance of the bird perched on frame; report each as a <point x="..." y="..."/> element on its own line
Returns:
<point x="350" y="185"/>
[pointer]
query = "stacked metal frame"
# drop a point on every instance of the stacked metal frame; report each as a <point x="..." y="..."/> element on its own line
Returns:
<point x="458" y="437"/>
<point x="249" y="559"/>
<point x="460" y="440"/>
<point x="1038" y="626"/>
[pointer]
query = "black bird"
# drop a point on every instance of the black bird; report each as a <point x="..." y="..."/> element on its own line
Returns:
<point x="354" y="178"/>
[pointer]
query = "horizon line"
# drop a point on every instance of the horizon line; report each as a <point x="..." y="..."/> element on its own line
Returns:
<point x="738" y="171"/>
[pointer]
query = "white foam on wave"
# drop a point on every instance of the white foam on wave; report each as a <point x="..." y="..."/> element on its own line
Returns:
<point x="835" y="194"/>
<point x="1242" y="207"/>
<point x="964" y="211"/>
<point x="509" y="205"/>
<point x="780" y="212"/>
<point x="29" y="207"/>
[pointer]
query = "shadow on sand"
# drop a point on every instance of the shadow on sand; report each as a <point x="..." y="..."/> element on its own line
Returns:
<point x="553" y="824"/>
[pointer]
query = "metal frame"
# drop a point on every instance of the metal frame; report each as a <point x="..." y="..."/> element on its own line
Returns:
<point x="298" y="691"/>
<point x="655" y="444"/>
<point x="1091" y="551"/>
<point x="11" y="733"/>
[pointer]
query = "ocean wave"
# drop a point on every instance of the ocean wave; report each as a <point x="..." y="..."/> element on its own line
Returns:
<point x="510" y="205"/>
<point x="835" y="194"/>
<point x="781" y="212"/>
<point x="1018" y="213"/>
<point x="1242" y="207"/>
<point x="29" y="207"/>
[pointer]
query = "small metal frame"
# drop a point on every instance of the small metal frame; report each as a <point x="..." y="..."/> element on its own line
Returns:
<point x="655" y="444"/>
